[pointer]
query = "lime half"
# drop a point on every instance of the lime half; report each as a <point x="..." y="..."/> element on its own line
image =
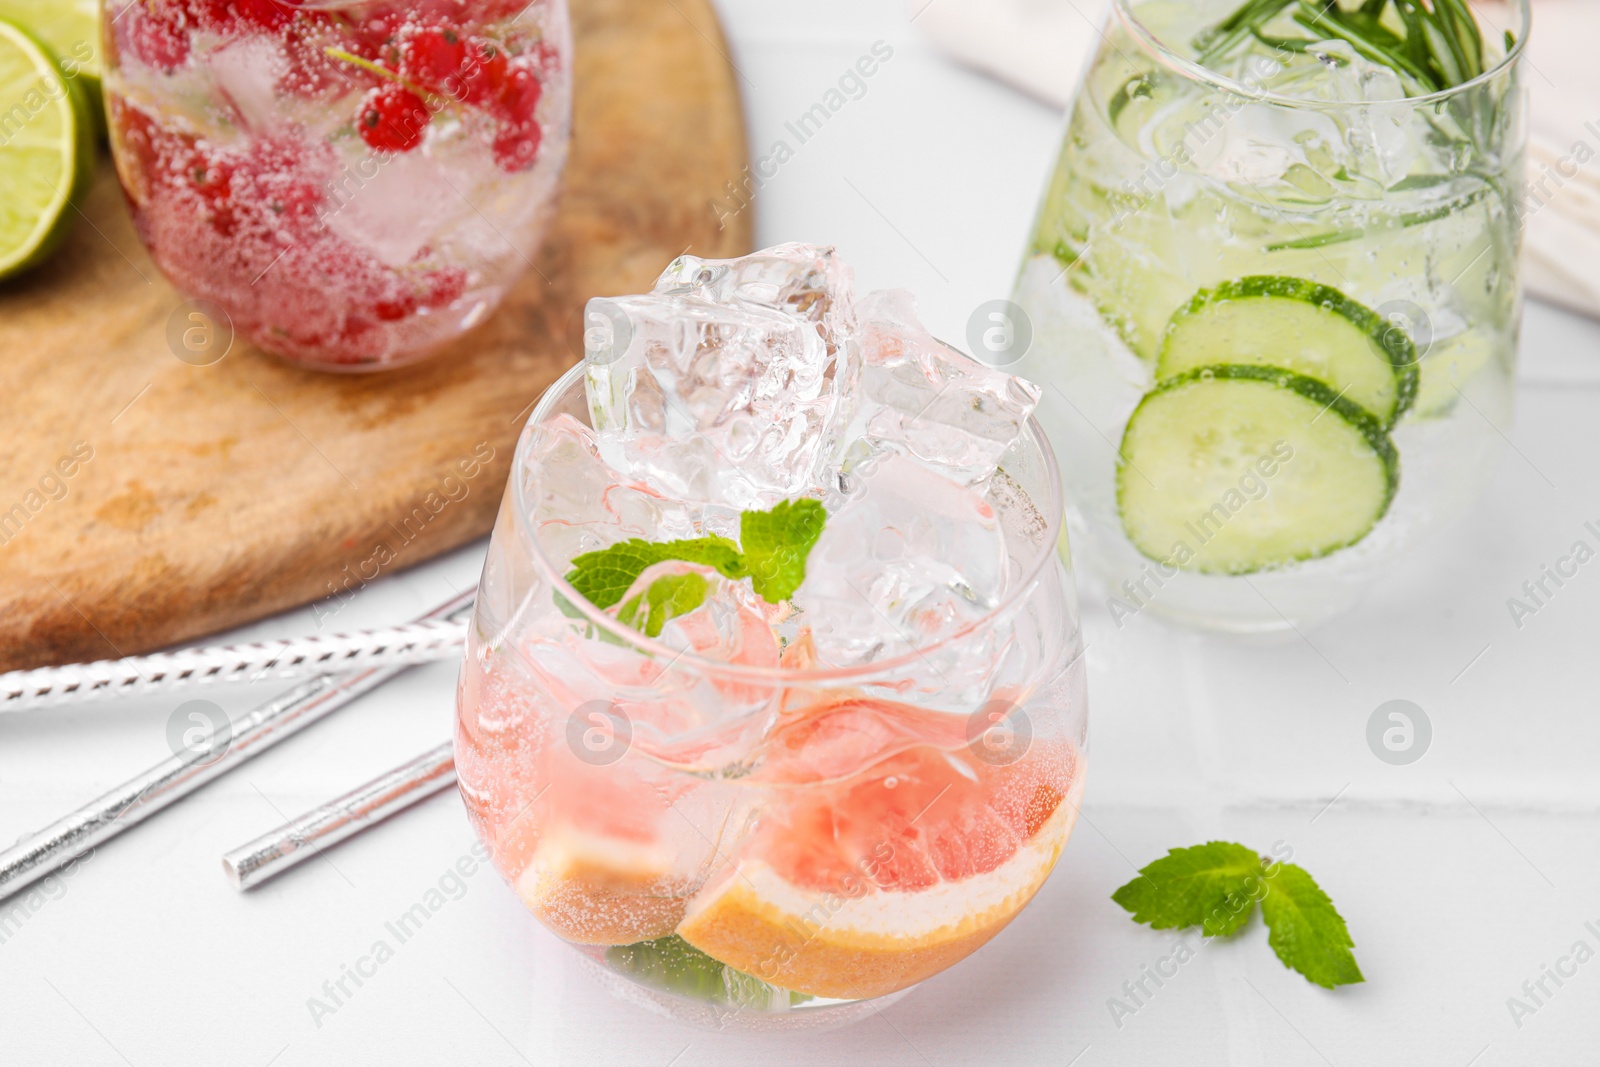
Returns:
<point x="46" y="152"/>
<point x="69" y="28"/>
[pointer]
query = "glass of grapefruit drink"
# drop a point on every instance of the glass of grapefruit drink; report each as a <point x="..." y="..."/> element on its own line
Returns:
<point x="352" y="183"/>
<point x="773" y="703"/>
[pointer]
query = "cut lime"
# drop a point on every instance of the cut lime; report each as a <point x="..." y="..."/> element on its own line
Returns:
<point x="69" y="28"/>
<point x="46" y="151"/>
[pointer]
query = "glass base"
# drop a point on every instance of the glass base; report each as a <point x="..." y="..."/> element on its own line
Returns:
<point x="812" y="1015"/>
<point x="1127" y="585"/>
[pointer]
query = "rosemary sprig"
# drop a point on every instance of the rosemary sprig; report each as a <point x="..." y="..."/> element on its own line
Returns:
<point x="1433" y="45"/>
<point x="1440" y="47"/>
<point x="1372" y="42"/>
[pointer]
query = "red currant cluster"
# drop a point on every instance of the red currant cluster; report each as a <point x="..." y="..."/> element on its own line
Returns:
<point x="244" y="225"/>
<point x="453" y="69"/>
<point x="414" y="59"/>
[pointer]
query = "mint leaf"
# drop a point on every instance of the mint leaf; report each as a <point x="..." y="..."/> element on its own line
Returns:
<point x="1213" y="886"/>
<point x="1305" y="930"/>
<point x="672" y="964"/>
<point x="605" y="576"/>
<point x="667" y="597"/>
<point x="776" y="544"/>
<point x="1216" y="886"/>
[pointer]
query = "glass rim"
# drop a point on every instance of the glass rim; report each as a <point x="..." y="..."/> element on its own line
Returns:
<point x="1198" y="72"/>
<point x="1022" y="587"/>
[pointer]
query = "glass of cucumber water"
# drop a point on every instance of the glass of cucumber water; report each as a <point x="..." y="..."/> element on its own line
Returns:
<point x="1273" y="289"/>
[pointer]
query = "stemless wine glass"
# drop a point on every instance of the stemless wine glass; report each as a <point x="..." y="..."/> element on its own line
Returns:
<point x="352" y="182"/>
<point x="1275" y="303"/>
<point x="731" y="831"/>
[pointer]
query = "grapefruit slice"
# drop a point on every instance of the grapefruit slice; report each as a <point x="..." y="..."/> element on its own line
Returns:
<point x="856" y="885"/>
<point x="565" y="771"/>
<point x="597" y="890"/>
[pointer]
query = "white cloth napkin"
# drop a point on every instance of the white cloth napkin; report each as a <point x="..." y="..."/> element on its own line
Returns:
<point x="1040" y="47"/>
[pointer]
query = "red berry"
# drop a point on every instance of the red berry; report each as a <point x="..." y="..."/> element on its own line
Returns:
<point x="443" y="286"/>
<point x="211" y="178"/>
<point x="482" y="74"/>
<point x="157" y="37"/>
<point x="519" y="96"/>
<point x="269" y="15"/>
<point x="310" y="72"/>
<point x="432" y="57"/>
<point x="517" y="146"/>
<point x="392" y="119"/>
<point x="547" y="57"/>
<point x="395" y="309"/>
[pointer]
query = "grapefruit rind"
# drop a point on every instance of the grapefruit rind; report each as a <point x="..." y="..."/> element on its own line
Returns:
<point x="602" y="891"/>
<point x="872" y="943"/>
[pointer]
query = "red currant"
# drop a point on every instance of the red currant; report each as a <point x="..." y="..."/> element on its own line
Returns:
<point x="482" y="74"/>
<point x="517" y="146"/>
<point x="432" y="57"/>
<point x="267" y="15"/>
<point x="392" y="119"/>
<point x="519" y="96"/>
<point x="156" y="37"/>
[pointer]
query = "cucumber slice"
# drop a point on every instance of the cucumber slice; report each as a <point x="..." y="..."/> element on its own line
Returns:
<point x="1234" y="469"/>
<point x="1303" y="327"/>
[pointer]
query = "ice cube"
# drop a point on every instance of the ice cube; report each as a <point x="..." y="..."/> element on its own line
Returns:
<point x="246" y="72"/>
<point x="578" y="503"/>
<point x="1378" y="140"/>
<point x="805" y="281"/>
<point x="908" y="558"/>
<point x="395" y="206"/>
<point x="729" y="383"/>
<point x="926" y="400"/>
<point x="725" y="626"/>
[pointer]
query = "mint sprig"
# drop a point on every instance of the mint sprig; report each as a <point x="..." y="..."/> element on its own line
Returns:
<point x="1216" y="886"/>
<point x="605" y="576"/>
<point x="776" y="544"/>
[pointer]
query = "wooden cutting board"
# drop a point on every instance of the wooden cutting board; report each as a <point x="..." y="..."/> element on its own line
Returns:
<point x="214" y="495"/>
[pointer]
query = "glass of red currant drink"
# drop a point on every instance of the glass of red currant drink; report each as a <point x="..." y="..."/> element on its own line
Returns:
<point x="353" y="183"/>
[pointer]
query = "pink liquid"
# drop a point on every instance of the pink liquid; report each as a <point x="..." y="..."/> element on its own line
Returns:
<point x="846" y="798"/>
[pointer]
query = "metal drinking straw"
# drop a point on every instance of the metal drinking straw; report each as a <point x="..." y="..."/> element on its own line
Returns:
<point x="143" y="795"/>
<point x="299" y="839"/>
<point x="416" y="642"/>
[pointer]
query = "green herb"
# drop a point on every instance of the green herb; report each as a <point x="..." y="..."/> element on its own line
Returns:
<point x="666" y="598"/>
<point x="1433" y="45"/>
<point x="1135" y="88"/>
<point x="1305" y="930"/>
<point x="605" y="576"/>
<point x="672" y="964"/>
<point x="1409" y="218"/>
<point x="1216" y="886"/>
<point x="1440" y="47"/>
<point x="776" y="544"/>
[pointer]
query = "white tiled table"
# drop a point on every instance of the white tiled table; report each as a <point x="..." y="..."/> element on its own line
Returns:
<point x="1461" y="875"/>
